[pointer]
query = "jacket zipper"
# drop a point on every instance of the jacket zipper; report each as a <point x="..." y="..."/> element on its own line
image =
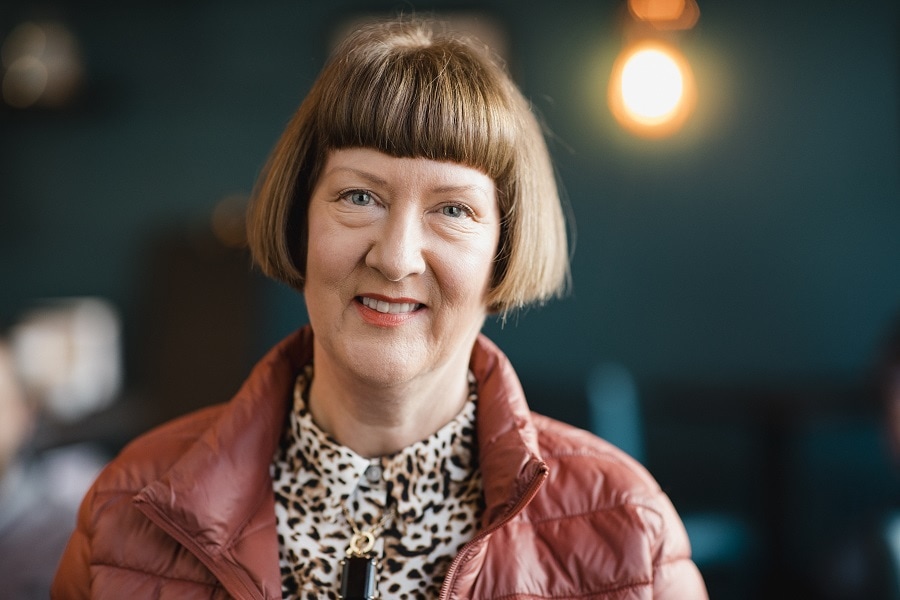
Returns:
<point x="225" y="578"/>
<point x="532" y="490"/>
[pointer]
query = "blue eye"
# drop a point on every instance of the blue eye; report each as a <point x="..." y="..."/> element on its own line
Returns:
<point x="453" y="210"/>
<point x="360" y="198"/>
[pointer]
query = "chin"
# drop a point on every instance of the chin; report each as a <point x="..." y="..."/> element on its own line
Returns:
<point x="390" y="371"/>
<point x="394" y="358"/>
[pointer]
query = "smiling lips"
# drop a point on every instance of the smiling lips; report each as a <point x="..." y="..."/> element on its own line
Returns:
<point x="383" y="313"/>
<point x="393" y="308"/>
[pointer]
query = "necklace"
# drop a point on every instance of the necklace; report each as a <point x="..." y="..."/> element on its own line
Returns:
<point x="359" y="569"/>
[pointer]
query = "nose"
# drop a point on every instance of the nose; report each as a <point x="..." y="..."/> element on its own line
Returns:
<point x="398" y="249"/>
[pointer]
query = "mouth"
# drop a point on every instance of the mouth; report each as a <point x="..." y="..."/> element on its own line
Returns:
<point x="388" y="307"/>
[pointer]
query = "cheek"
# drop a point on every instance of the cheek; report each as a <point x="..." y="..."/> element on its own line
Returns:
<point x="467" y="275"/>
<point x="319" y="257"/>
<point x="330" y="252"/>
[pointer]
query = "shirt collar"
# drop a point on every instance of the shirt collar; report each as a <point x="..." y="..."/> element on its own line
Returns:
<point x="416" y="478"/>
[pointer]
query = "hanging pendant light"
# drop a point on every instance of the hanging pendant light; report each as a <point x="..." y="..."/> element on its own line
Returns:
<point x="651" y="88"/>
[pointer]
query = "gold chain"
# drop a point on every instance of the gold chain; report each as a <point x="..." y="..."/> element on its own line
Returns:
<point x="363" y="540"/>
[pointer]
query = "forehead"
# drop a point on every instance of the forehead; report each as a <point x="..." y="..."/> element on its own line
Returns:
<point x="374" y="167"/>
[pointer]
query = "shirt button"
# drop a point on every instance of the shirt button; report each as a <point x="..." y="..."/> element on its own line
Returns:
<point x="374" y="472"/>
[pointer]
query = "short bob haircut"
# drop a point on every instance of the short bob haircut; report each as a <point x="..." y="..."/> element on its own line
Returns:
<point x="409" y="88"/>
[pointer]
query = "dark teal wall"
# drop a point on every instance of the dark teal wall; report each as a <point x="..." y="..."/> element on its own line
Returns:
<point x="763" y="242"/>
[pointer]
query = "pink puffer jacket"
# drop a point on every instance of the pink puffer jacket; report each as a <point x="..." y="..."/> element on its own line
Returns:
<point x="187" y="511"/>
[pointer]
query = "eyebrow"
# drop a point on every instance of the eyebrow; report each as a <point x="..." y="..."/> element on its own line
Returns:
<point x="459" y="188"/>
<point x="372" y="178"/>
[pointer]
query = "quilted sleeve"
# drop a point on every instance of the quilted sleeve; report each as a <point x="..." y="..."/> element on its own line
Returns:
<point x="73" y="577"/>
<point x="675" y="576"/>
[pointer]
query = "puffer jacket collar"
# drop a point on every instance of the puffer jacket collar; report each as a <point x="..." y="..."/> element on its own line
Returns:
<point x="217" y="498"/>
<point x="507" y="439"/>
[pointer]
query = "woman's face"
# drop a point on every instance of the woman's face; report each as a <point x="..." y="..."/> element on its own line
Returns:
<point x="399" y="261"/>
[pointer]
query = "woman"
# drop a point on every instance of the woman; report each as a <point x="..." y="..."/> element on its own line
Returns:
<point x="386" y="449"/>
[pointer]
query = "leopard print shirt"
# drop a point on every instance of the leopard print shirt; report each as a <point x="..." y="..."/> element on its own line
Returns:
<point x="430" y="492"/>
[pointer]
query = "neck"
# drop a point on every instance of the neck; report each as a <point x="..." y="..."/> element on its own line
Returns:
<point x="380" y="420"/>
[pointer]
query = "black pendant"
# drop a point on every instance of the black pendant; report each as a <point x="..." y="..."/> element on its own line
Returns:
<point x="359" y="578"/>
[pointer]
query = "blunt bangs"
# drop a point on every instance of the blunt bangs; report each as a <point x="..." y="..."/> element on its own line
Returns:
<point x="416" y="100"/>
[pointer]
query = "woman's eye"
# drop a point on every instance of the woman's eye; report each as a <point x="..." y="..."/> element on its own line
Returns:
<point x="454" y="210"/>
<point x="359" y="198"/>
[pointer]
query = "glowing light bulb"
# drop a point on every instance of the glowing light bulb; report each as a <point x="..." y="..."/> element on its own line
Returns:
<point x="651" y="90"/>
<point x="652" y="85"/>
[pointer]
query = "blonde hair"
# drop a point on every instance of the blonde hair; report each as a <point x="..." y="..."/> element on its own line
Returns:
<point x="410" y="89"/>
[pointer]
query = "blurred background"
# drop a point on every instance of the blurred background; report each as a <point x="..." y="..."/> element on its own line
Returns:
<point x="736" y="278"/>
